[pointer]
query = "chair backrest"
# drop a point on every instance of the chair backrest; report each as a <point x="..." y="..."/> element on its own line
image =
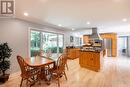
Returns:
<point x="36" y="53"/>
<point x="61" y="62"/>
<point x="49" y="53"/>
<point x="39" y="53"/>
<point x="22" y="64"/>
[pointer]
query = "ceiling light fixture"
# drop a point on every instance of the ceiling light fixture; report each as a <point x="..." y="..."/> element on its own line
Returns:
<point x="124" y="20"/>
<point x="88" y="22"/>
<point x="73" y="29"/>
<point x="59" y="25"/>
<point x="26" y="14"/>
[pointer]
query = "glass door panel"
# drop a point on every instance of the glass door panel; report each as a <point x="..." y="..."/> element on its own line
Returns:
<point x="60" y="43"/>
<point x="35" y="42"/>
<point x="49" y="42"/>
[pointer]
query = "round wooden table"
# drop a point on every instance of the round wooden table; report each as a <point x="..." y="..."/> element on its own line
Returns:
<point x="40" y="62"/>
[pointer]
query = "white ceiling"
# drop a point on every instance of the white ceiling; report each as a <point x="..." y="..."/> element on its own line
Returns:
<point x="75" y="13"/>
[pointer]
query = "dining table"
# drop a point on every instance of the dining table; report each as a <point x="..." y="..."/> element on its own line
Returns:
<point x="42" y="62"/>
<point x="39" y="61"/>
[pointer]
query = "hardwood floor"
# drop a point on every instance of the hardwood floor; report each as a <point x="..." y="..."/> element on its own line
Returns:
<point x="115" y="73"/>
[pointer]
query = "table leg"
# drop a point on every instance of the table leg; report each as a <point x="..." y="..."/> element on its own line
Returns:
<point x="44" y="75"/>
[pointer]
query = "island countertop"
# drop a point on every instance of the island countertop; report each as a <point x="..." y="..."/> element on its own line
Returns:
<point x="97" y="51"/>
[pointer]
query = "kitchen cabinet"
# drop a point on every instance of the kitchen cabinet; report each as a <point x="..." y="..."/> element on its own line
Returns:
<point x="73" y="53"/>
<point x="91" y="60"/>
<point x="112" y="36"/>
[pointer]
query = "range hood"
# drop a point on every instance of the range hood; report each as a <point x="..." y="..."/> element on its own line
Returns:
<point x="95" y="34"/>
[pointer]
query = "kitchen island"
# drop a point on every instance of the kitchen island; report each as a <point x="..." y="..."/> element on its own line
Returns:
<point x="92" y="60"/>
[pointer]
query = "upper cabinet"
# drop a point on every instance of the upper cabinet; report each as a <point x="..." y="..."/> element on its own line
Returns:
<point x="112" y="36"/>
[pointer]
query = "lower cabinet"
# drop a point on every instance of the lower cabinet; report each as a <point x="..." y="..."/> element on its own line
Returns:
<point x="90" y="60"/>
<point x="73" y="53"/>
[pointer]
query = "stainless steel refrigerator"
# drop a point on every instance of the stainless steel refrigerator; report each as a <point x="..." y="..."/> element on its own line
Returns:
<point x="108" y="46"/>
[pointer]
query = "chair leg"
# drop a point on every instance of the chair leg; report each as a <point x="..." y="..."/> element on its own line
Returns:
<point x="39" y="79"/>
<point x="67" y="66"/>
<point x="65" y="75"/>
<point x="58" y="82"/>
<point x="21" y="82"/>
<point x="26" y="82"/>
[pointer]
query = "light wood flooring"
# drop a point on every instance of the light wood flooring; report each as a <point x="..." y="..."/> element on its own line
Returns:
<point x="114" y="73"/>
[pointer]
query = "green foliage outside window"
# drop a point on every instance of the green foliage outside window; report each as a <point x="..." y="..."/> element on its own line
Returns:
<point x="53" y="50"/>
<point x="49" y="42"/>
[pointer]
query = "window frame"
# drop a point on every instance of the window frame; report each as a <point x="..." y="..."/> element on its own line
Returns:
<point x="40" y="30"/>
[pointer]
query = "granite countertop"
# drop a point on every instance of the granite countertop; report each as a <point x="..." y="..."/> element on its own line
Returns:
<point x="97" y="51"/>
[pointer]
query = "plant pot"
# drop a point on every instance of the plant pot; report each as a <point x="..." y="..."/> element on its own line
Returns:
<point x="4" y="78"/>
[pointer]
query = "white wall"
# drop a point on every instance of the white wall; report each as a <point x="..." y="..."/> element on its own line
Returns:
<point x="15" y="32"/>
<point x="76" y="33"/>
<point x="122" y="30"/>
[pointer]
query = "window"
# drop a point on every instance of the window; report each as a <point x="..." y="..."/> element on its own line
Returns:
<point x="46" y="41"/>
<point x="49" y="42"/>
<point x="60" y="43"/>
<point x="35" y="42"/>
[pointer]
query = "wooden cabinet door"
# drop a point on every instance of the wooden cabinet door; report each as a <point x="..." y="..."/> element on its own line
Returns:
<point x="77" y="53"/>
<point x="90" y="59"/>
<point x="81" y="58"/>
<point x="96" y="60"/>
<point x="71" y="53"/>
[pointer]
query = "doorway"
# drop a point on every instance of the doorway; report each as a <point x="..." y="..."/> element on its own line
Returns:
<point x="122" y="45"/>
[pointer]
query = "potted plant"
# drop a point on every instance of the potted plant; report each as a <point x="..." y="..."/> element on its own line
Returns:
<point x="5" y="53"/>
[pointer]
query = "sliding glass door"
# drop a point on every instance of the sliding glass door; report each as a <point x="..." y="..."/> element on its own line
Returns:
<point x="46" y="41"/>
<point x="49" y="42"/>
<point x="60" y="43"/>
<point x="35" y="42"/>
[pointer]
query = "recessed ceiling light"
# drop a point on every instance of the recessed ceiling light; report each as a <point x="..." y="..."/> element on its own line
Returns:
<point x="73" y="29"/>
<point x="88" y="22"/>
<point x="124" y="20"/>
<point x="26" y="14"/>
<point x="59" y="25"/>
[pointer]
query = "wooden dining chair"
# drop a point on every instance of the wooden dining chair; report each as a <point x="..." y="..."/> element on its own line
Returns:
<point x="41" y="53"/>
<point x="65" y="52"/>
<point x="49" y="53"/>
<point x="28" y="73"/>
<point x="38" y="53"/>
<point x="59" y="70"/>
